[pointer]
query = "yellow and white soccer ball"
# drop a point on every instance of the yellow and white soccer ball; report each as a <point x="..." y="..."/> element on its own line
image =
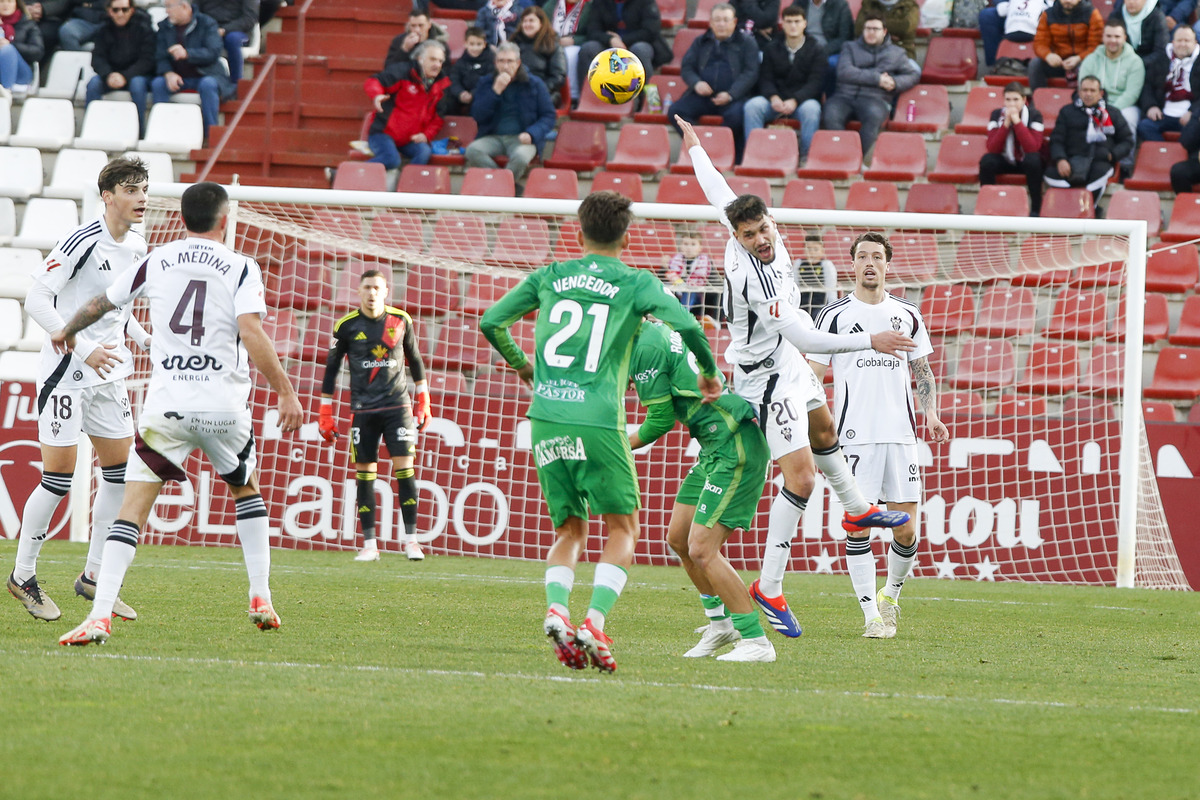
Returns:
<point x="616" y="76"/>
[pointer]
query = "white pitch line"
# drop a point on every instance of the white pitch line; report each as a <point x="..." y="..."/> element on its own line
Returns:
<point x="622" y="682"/>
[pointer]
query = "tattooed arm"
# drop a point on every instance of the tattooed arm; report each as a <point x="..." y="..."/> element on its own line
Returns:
<point x="926" y="393"/>
<point x="64" y="341"/>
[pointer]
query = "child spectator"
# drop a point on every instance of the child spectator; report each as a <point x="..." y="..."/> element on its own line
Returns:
<point x="815" y="275"/>
<point x="688" y="271"/>
<point x="473" y="64"/>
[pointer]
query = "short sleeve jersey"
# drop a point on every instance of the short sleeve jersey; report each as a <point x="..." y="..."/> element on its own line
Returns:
<point x="197" y="289"/>
<point x="589" y="310"/>
<point x="872" y="401"/>
<point x="82" y="265"/>
<point x="664" y="371"/>
<point x="375" y="351"/>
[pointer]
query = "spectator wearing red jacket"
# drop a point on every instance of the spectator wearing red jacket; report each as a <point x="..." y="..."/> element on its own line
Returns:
<point x="1014" y="143"/>
<point x="406" y="95"/>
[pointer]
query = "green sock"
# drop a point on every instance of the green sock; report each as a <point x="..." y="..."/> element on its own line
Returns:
<point x="714" y="607"/>
<point x="603" y="599"/>
<point x="607" y="586"/>
<point x="557" y="593"/>
<point x="748" y="625"/>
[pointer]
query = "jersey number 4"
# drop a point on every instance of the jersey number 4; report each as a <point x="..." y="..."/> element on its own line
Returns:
<point x="574" y="314"/>
<point x="193" y="296"/>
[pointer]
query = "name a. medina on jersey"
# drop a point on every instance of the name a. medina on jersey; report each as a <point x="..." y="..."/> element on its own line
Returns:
<point x="587" y="282"/>
<point x="202" y="256"/>
<point x="560" y="448"/>
<point x="887" y="362"/>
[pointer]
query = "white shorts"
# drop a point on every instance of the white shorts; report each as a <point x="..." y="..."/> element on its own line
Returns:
<point x="101" y="411"/>
<point x="782" y="400"/>
<point x="164" y="441"/>
<point x="886" y="473"/>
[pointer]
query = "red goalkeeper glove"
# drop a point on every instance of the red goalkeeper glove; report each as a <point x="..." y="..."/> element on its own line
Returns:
<point x="325" y="423"/>
<point x="421" y="409"/>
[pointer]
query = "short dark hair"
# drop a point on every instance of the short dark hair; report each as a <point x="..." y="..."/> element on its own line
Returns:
<point x="877" y="238"/>
<point x="374" y="273"/>
<point x="474" y="30"/>
<point x="605" y="216"/>
<point x="1095" y="78"/>
<point x="875" y="18"/>
<point x="416" y="12"/>
<point x="795" y="11"/>
<point x="202" y="205"/>
<point x="1117" y="22"/>
<point x="688" y="230"/>
<point x="814" y="237"/>
<point x="120" y="171"/>
<point x="746" y="208"/>
<point x="1017" y="87"/>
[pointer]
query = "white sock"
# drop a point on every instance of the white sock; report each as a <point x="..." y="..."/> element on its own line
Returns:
<point x="900" y="560"/>
<point x="835" y="469"/>
<point x="35" y="521"/>
<point x="370" y="544"/>
<point x="786" y="510"/>
<point x="119" y="549"/>
<point x="253" y="529"/>
<point x="608" y="577"/>
<point x="860" y="562"/>
<point x="109" y="496"/>
<point x="564" y="577"/>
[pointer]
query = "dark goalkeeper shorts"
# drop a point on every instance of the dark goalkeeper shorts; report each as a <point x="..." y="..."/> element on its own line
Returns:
<point x="583" y="469"/>
<point x="727" y="481"/>
<point x="394" y="425"/>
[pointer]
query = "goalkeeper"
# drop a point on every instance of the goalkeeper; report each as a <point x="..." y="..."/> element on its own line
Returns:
<point x="376" y="340"/>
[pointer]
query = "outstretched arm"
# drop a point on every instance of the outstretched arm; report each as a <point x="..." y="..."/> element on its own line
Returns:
<point x="716" y="189"/>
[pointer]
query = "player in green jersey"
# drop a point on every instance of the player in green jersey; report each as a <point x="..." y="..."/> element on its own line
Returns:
<point x="719" y="494"/>
<point x="589" y="310"/>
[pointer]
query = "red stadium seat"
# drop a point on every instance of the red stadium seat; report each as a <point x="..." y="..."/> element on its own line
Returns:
<point x="464" y="129"/>
<point x="1158" y="412"/>
<point x="1006" y="311"/>
<point x="360" y="176"/>
<point x="897" y="157"/>
<point x="1088" y="408"/>
<point x="703" y="14"/>
<point x="931" y="198"/>
<point x="592" y="109"/>
<point x="747" y="185"/>
<point x="983" y="255"/>
<point x="1022" y="51"/>
<point x="645" y="149"/>
<point x="682" y="189"/>
<point x="1109" y="274"/>
<point x="500" y="384"/>
<point x="400" y="229"/>
<point x="950" y="61"/>
<point x="683" y="40"/>
<point x="836" y="156"/>
<point x="1185" y="219"/>
<point x="651" y="244"/>
<point x="915" y="258"/>
<point x="1152" y="170"/>
<point x="580" y="146"/>
<point x="930" y="110"/>
<point x="985" y="364"/>
<point x="716" y="237"/>
<point x="1045" y="260"/>
<point x="717" y="141"/>
<point x="430" y="291"/>
<point x="460" y="237"/>
<point x="522" y="241"/>
<point x="626" y="183"/>
<point x="1176" y="375"/>
<point x="937" y="360"/>
<point x="995" y="200"/>
<point x="483" y="182"/>
<point x="1078" y="314"/>
<point x="1068" y="203"/>
<point x="672" y="12"/>
<point x="303" y="285"/>
<point x="1017" y="405"/>
<point x="567" y="246"/>
<point x="809" y="193"/>
<point x="958" y="159"/>
<point x="948" y="309"/>
<point x="1049" y="100"/>
<point x="1188" y="330"/>
<point x="446" y="382"/>
<point x="1052" y="368"/>
<point x="345" y="224"/>
<point x="484" y="290"/>
<point x="669" y="86"/>
<point x="1193" y="415"/>
<point x="314" y="341"/>
<point x="873" y="196"/>
<point x="1155" y="320"/>
<point x="345" y="286"/>
<point x="1173" y="269"/>
<point x="770" y="153"/>
<point x="960" y="404"/>
<point x="280" y="325"/>
<point x="424" y="179"/>
<point x="460" y="346"/>
<point x="440" y="14"/>
<point x="1105" y="373"/>
<point x="552" y="184"/>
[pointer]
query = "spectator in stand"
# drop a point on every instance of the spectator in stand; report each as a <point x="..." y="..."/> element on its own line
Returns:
<point x="832" y="25"/>
<point x="123" y="57"/>
<point x="1171" y="95"/>
<point x="721" y="71"/>
<point x="815" y="275"/>
<point x="1121" y="72"/>
<point x="1186" y="173"/>
<point x="871" y="74"/>
<point x="20" y="46"/>
<point x="1014" y="20"/>
<point x="187" y="55"/>
<point x="267" y="9"/>
<point x="569" y="20"/>
<point x="900" y="17"/>
<point x="86" y="18"/>
<point x="418" y="29"/>
<point x="49" y="16"/>
<point x="514" y="113"/>
<point x="541" y="53"/>
<point x="759" y="19"/>
<point x="1088" y="141"/>
<point x="1068" y="31"/>
<point x="789" y="81"/>
<point x="475" y="62"/>
<point x="498" y="19"/>
<point x="1145" y="28"/>
<point x="406" y="97"/>
<point x="1015" y="135"/>
<point x="235" y="22"/>
<point x="632" y="24"/>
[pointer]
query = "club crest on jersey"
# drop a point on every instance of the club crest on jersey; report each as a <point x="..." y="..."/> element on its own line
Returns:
<point x="897" y="323"/>
<point x="379" y="351"/>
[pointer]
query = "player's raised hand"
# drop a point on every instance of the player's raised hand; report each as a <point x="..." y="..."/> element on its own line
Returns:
<point x="325" y="423"/>
<point x="421" y="410"/>
<point x="103" y="359"/>
<point x="892" y="343"/>
<point x="690" y="139"/>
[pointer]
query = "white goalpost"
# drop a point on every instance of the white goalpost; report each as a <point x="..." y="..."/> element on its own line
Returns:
<point x="1037" y="326"/>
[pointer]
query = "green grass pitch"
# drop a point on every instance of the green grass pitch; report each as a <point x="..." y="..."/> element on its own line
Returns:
<point x="431" y="680"/>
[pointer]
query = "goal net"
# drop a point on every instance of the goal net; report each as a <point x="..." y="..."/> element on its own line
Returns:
<point x="1036" y="325"/>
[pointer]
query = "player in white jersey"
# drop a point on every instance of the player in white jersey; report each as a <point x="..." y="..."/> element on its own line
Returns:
<point x="83" y="392"/>
<point x="206" y="308"/>
<point x="873" y="405"/>
<point x="769" y="335"/>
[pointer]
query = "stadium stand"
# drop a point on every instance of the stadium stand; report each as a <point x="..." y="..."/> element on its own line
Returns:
<point x="174" y="128"/>
<point x="1155" y="323"/>
<point x="809" y="193"/>
<point x="929" y="107"/>
<point x="833" y="155"/>
<point x="109" y="125"/>
<point x="981" y="102"/>
<point x="1075" y="203"/>
<point x="681" y="189"/>
<point x="424" y="179"/>
<point x="644" y="149"/>
<point x="489" y="182"/>
<point x="555" y="184"/>
<point x="1176" y="375"/>
<point x="1051" y="368"/>
<point x="360" y="176"/>
<point x="868" y="195"/>
<point x="580" y="146"/>
<point x="44" y="221"/>
<point x="770" y="153"/>
<point x="958" y="159"/>
<point x="1172" y="269"/>
<point x="985" y="364"/>
<point x="1187" y="332"/>
<point x="1006" y="310"/>
<point x="898" y="157"/>
<point x="948" y="310"/>
<point x="931" y="198"/>
<point x="1078" y="314"/>
<point x="1152" y="171"/>
<point x="45" y="123"/>
<point x="74" y="171"/>
<point x="995" y="200"/>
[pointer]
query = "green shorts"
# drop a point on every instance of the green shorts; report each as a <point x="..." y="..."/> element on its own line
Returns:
<point x="584" y="469"/>
<point x="727" y="481"/>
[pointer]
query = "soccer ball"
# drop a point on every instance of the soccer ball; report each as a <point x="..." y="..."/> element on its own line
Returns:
<point x="616" y="76"/>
